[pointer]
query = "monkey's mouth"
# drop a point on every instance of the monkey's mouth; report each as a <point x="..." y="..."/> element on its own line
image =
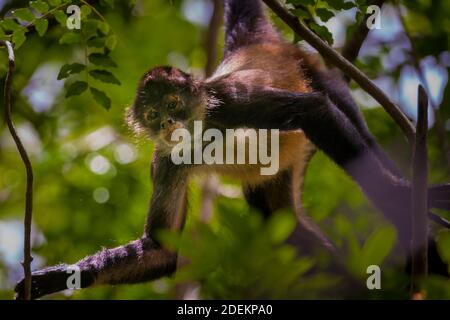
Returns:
<point x="166" y="134"/>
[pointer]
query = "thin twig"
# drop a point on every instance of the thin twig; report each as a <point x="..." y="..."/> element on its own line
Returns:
<point x="419" y="196"/>
<point x="348" y="68"/>
<point x="27" y="258"/>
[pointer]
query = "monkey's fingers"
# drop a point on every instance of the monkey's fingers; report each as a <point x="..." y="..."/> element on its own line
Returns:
<point x="43" y="282"/>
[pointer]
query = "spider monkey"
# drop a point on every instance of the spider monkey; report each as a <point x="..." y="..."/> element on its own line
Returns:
<point x="264" y="83"/>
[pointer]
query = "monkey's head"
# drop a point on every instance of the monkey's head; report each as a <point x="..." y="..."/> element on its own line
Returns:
<point x="167" y="99"/>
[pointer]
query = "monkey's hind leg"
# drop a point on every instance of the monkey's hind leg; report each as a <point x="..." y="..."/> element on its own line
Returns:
<point x="284" y="192"/>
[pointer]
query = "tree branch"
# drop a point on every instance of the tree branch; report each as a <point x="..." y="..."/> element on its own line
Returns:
<point x="348" y="68"/>
<point x="351" y="49"/>
<point x="211" y="37"/>
<point x="27" y="258"/>
<point x="419" y="195"/>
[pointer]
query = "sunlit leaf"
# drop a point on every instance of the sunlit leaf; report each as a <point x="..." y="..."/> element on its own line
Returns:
<point x="19" y="38"/>
<point x="281" y="226"/>
<point x="103" y="27"/>
<point x="378" y="246"/>
<point x="11" y="25"/>
<point x="61" y="17"/>
<point x="41" y="26"/>
<point x="39" y="6"/>
<point x="23" y="14"/>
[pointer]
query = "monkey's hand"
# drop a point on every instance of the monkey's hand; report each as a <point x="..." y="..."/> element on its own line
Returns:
<point x="50" y="280"/>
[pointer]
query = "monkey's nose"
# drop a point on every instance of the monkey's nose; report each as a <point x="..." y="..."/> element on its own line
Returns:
<point x="167" y="123"/>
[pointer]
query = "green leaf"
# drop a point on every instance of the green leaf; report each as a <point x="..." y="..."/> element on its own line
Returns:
<point x="54" y="3"/>
<point x="378" y="246"/>
<point x="323" y="32"/>
<point x="111" y="42"/>
<point x="70" y="69"/>
<point x="11" y="25"/>
<point x="324" y="14"/>
<point x="61" y="17"/>
<point x="96" y="42"/>
<point x="101" y="60"/>
<point x="85" y="11"/>
<point x="104" y="76"/>
<point x="41" y="26"/>
<point x="281" y="226"/>
<point x="70" y="38"/>
<point x="23" y="14"/>
<point x="301" y="13"/>
<point x="101" y="98"/>
<point x="103" y="27"/>
<point x="76" y="88"/>
<point x="18" y="38"/>
<point x="90" y="27"/>
<point x="39" y="6"/>
<point x="340" y="4"/>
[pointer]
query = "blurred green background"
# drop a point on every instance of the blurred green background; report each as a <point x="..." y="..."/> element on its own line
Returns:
<point x="92" y="182"/>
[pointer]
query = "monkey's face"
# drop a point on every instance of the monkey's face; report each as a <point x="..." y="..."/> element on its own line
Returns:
<point x="167" y="99"/>
<point x="169" y="113"/>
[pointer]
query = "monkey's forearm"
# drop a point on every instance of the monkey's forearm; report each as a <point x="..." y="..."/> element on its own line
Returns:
<point x="139" y="261"/>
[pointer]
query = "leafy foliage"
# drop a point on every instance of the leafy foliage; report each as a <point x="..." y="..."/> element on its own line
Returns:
<point x="94" y="34"/>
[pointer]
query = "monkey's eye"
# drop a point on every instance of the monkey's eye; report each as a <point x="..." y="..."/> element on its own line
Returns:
<point x="172" y="105"/>
<point x="151" y="115"/>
